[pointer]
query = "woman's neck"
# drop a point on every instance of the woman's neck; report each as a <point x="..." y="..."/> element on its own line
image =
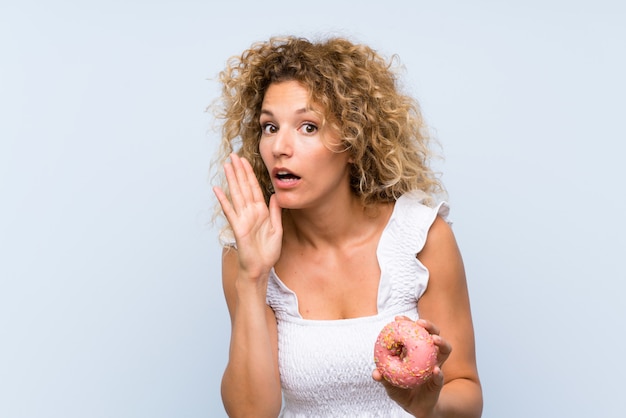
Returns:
<point x="335" y="224"/>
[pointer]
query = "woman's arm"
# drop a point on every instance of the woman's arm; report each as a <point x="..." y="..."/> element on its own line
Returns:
<point x="454" y="389"/>
<point x="446" y="305"/>
<point x="251" y="382"/>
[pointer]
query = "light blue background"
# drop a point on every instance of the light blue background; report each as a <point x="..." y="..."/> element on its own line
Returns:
<point x="110" y="296"/>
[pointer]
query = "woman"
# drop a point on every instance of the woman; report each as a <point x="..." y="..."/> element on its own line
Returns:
<point x="333" y="232"/>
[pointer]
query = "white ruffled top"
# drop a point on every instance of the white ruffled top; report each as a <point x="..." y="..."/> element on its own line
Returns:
<point x="326" y="365"/>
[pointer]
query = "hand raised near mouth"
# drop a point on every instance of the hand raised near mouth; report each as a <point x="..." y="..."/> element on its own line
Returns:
<point x="257" y="228"/>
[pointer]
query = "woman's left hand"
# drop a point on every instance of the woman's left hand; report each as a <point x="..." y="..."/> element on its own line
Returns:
<point x="421" y="400"/>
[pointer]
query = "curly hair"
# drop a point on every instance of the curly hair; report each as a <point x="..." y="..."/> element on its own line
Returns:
<point x="382" y="128"/>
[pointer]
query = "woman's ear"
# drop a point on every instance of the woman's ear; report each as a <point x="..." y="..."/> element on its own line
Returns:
<point x="350" y="155"/>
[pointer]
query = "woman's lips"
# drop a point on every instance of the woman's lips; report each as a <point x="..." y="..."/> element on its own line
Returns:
<point x="284" y="178"/>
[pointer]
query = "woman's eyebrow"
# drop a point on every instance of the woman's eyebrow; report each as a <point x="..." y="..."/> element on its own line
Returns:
<point x="299" y="111"/>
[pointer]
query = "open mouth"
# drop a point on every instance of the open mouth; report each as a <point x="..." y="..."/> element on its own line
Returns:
<point x="286" y="176"/>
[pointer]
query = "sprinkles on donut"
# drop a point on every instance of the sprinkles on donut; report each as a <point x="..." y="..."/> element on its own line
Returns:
<point x="405" y="353"/>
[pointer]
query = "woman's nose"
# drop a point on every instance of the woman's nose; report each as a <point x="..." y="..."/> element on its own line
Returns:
<point x="283" y="143"/>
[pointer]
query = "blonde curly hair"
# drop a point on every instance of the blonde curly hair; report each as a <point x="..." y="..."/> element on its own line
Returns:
<point x="382" y="128"/>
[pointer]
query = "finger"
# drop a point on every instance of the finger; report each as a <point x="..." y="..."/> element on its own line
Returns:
<point x="224" y="202"/>
<point x="378" y="376"/>
<point x="257" y="193"/>
<point x="392" y="391"/>
<point x="429" y="326"/>
<point x="436" y="381"/>
<point x="444" y="348"/>
<point x="276" y="214"/>
<point x="238" y="201"/>
<point x="244" y="179"/>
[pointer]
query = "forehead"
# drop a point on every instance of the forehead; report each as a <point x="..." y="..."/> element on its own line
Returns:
<point x="291" y="97"/>
<point x="292" y="91"/>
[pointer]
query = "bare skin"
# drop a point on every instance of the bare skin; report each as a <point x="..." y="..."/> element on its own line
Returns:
<point x="454" y="390"/>
<point x="314" y="223"/>
<point x="251" y="383"/>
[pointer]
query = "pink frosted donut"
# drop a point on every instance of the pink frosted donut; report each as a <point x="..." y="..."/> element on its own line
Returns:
<point x="405" y="354"/>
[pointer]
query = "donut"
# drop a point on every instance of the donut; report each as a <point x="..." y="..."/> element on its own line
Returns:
<point x="405" y="353"/>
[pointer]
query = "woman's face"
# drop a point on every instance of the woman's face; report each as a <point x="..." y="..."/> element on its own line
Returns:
<point x="296" y="149"/>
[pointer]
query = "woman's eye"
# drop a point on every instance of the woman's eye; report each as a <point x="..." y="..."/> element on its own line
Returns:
<point x="309" y="128"/>
<point x="268" y="129"/>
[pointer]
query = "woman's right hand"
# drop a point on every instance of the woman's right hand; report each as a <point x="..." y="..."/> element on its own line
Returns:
<point x="257" y="227"/>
